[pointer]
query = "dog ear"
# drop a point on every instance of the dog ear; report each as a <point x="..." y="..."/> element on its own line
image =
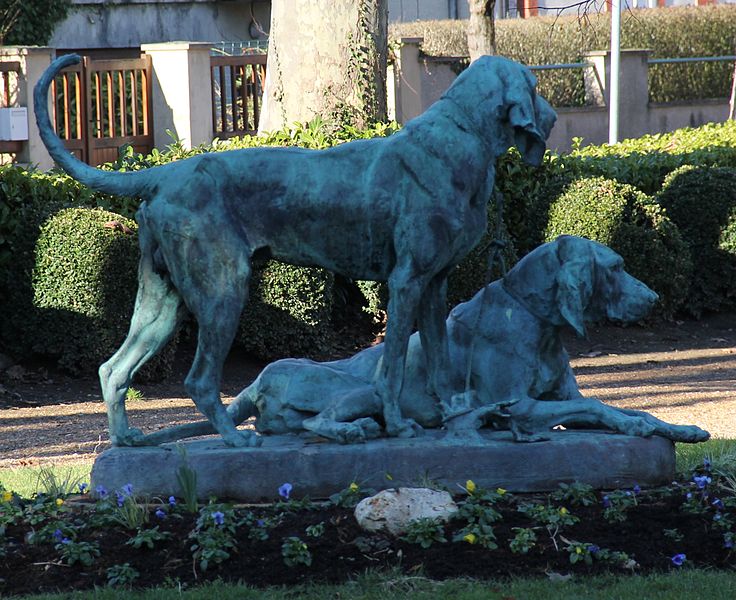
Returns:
<point x="574" y="281"/>
<point x="531" y="118"/>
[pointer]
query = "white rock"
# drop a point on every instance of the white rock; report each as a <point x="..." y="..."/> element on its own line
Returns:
<point x="392" y="510"/>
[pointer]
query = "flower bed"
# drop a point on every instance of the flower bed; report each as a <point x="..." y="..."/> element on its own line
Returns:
<point x="51" y="543"/>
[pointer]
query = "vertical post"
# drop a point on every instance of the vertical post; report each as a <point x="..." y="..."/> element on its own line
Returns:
<point x="408" y="81"/>
<point x="182" y="96"/>
<point x="613" y="105"/>
<point x="33" y="62"/>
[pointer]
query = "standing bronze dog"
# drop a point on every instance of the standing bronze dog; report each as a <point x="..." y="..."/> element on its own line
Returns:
<point x="404" y="209"/>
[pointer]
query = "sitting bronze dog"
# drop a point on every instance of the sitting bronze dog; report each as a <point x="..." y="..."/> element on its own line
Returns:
<point x="404" y="209"/>
<point x="507" y="336"/>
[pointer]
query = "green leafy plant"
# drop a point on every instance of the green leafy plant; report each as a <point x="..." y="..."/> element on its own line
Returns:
<point x="121" y="575"/>
<point x="72" y="552"/>
<point x="147" y="538"/>
<point x="317" y="530"/>
<point x="133" y="395"/>
<point x="186" y="477"/>
<point x="523" y="541"/>
<point x="214" y="535"/>
<point x="295" y="552"/>
<point x="425" y="532"/>
<point x="576" y="494"/>
<point x="617" y="503"/>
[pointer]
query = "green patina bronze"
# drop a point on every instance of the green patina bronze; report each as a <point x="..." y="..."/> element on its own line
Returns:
<point x="404" y="209"/>
<point x="508" y="338"/>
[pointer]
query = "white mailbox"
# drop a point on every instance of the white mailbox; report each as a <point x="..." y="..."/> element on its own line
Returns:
<point x="14" y="124"/>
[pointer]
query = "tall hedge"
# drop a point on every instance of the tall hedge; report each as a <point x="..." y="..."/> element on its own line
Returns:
<point x="702" y="202"/>
<point x="669" y="33"/>
<point x="633" y="225"/>
<point x="71" y="287"/>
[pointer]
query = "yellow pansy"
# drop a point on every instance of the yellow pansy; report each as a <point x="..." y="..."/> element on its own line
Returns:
<point x="500" y="491"/>
<point x="563" y="511"/>
<point x="59" y="502"/>
<point x="470" y="486"/>
<point x="7" y="496"/>
<point x="353" y="487"/>
<point x="471" y="538"/>
<point x="578" y="550"/>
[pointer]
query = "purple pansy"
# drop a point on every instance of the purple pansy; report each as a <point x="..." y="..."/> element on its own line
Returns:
<point x="218" y="517"/>
<point x="160" y="514"/>
<point x="678" y="559"/>
<point x="285" y="490"/>
<point x="101" y="491"/>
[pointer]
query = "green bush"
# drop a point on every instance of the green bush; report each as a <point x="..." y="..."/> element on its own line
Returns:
<point x="633" y="225"/>
<point x="670" y="33"/>
<point x="645" y="162"/>
<point x="71" y="287"/>
<point x="288" y="311"/>
<point x="702" y="202"/>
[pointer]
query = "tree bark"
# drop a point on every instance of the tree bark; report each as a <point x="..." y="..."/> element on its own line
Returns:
<point x="481" y="28"/>
<point x="327" y="59"/>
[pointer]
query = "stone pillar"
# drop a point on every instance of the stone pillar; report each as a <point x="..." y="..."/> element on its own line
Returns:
<point x="182" y="92"/>
<point x="33" y="62"/>
<point x="634" y="86"/>
<point x="408" y="80"/>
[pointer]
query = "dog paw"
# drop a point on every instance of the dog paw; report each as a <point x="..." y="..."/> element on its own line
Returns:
<point x="242" y="439"/>
<point x="405" y="428"/>
<point x="638" y="427"/>
<point x="129" y="437"/>
<point x="689" y="434"/>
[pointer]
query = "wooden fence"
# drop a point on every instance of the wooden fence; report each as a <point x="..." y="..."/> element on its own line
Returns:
<point x="100" y="105"/>
<point x="237" y="88"/>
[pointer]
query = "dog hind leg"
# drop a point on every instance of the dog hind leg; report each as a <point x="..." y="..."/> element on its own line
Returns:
<point x="216" y="292"/>
<point x="158" y="311"/>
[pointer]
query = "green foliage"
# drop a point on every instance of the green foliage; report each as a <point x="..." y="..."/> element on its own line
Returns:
<point x="289" y="311"/>
<point x="214" y="535"/>
<point x="295" y="552"/>
<point x="425" y="532"/>
<point x="121" y="575"/>
<point x="633" y="225"/>
<point x="72" y="552"/>
<point x="30" y="22"/>
<point x="702" y="202"/>
<point x="186" y="477"/>
<point x="645" y="162"/>
<point x="576" y="494"/>
<point x="71" y="286"/>
<point x="671" y="33"/>
<point x="524" y="540"/>
<point x="147" y="538"/>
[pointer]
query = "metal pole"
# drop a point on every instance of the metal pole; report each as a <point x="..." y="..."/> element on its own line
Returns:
<point x="613" y="98"/>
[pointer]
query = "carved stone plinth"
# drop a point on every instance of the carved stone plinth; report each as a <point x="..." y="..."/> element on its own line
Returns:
<point x="605" y="461"/>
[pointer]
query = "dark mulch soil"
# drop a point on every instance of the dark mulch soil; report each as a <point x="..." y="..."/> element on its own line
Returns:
<point x="344" y="549"/>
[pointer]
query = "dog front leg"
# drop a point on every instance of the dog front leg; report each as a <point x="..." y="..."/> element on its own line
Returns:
<point x="433" y="333"/>
<point x="405" y="292"/>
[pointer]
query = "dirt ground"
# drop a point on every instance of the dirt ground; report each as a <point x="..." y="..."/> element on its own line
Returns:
<point x="683" y="372"/>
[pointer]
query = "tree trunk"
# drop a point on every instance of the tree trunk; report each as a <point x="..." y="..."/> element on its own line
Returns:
<point x="481" y="28"/>
<point x="327" y="59"/>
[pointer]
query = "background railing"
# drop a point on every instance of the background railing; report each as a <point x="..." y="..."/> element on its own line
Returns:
<point x="237" y="91"/>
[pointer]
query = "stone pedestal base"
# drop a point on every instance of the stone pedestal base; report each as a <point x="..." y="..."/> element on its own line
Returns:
<point x="605" y="461"/>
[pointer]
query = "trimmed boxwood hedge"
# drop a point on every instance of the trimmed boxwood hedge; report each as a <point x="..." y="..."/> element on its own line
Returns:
<point x="633" y="225"/>
<point x="702" y="202"/>
<point x="71" y="288"/>
<point x="669" y="33"/>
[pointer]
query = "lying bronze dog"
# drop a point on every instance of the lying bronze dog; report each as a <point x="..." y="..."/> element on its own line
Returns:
<point x="508" y="335"/>
<point x="404" y="209"/>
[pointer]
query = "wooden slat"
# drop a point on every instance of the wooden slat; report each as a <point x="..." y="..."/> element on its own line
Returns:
<point x="235" y="100"/>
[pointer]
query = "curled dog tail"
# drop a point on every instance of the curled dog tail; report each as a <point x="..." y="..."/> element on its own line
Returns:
<point x="111" y="182"/>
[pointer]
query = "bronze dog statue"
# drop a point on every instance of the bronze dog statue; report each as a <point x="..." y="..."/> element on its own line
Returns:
<point x="404" y="209"/>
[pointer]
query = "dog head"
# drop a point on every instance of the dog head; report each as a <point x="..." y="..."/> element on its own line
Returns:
<point x="500" y="97"/>
<point x="573" y="280"/>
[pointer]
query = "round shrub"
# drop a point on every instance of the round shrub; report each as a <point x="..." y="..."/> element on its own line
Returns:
<point x="75" y="285"/>
<point x="632" y="224"/>
<point x="288" y="311"/>
<point x="702" y="202"/>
